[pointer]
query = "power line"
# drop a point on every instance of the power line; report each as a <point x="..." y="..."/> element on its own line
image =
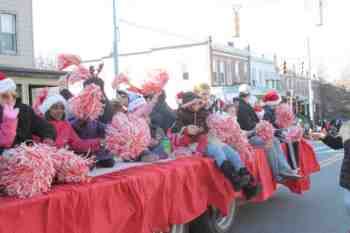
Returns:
<point x="156" y="30"/>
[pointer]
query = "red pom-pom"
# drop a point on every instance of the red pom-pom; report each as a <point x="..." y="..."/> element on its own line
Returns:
<point x="39" y="100"/>
<point x="128" y="136"/>
<point x="66" y="60"/>
<point x="88" y="104"/>
<point x="155" y="83"/>
<point x="227" y="130"/>
<point x="71" y="168"/>
<point x="119" y="79"/>
<point x="284" y="116"/>
<point x="295" y="134"/>
<point x="80" y="73"/>
<point x="265" y="130"/>
<point x="27" y="172"/>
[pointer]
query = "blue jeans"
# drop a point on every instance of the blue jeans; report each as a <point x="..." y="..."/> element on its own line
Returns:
<point x="224" y="152"/>
<point x="275" y="156"/>
<point x="347" y="200"/>
<point x="159" y="150"/>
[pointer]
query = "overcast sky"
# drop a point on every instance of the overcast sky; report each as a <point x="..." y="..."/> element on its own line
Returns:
<point x="270" y="26"/>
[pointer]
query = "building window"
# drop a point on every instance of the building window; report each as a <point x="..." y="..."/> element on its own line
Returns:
<point x="216" y="72"/>
<point x="229" y="74"/>
<point x="222" y="73"/>
<point x="185" y="76"/>
<point x="8" y="38"/>
<point x="237" y="71"/>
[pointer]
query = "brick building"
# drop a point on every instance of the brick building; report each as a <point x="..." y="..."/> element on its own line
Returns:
<point x="17" y="50"/>
<point x="16" y="33"/>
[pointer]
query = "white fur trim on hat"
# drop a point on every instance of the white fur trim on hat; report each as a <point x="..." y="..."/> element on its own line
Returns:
<point x="273" y="103"/>
<point x="7" y="85"/>
<point x="51" y="100"/>
<point x="135" y="103"/>
<point x="244" y="89"/>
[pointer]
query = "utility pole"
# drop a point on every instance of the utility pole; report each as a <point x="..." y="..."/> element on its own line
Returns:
<point x="311" y="94"/>
<point x="320" y="4"/>
<point x="308" y="44"/>
<point x="115" y="38"/>
<point x="237" y="20"/>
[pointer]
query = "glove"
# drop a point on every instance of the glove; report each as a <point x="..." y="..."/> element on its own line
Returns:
<point x="10" y="112"/>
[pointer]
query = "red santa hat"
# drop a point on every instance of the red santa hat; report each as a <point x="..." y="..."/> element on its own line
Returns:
<point x="271" y="98"/>
<point x="6" y="84"/>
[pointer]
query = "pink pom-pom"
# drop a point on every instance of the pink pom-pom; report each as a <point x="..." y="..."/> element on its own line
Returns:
<point x="295" y="134"/>
<point x="265" y="130"/>
<point x="88" y="104"/>
<point x="71" y="168"/>
<point x="284" y="116"/>
<point x="228" y="131"/>
<point x="80" y="73"/>
<point x="128" y="136"/>
<point x="156" y="81"/>
<point x="66" y="60"/>
<point x="119" y="79"/>
<point x="40" y="98"/>
<point x="27" y="172"/>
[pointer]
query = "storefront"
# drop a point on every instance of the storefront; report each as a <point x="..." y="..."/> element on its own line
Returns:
<point x="29" y="80"/>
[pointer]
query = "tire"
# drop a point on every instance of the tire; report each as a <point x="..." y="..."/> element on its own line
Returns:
<point x="212" y="222"/>
<point x="180" y="228"/>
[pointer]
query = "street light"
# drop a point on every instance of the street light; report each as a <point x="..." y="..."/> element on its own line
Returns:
<point x="115" y="38"/>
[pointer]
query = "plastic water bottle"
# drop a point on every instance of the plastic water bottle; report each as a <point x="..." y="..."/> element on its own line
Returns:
<point x="166" y="145"/>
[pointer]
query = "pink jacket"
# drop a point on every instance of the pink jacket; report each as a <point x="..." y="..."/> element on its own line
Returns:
<point x="8" y="129"/>
<point x="67" y="136"/>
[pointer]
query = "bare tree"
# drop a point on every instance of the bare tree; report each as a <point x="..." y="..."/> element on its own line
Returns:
<point x="46" y="63"/>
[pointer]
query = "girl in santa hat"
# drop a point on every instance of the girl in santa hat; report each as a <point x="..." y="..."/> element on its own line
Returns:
<point x="18" y="122"/>
<point x="53" y="108"/>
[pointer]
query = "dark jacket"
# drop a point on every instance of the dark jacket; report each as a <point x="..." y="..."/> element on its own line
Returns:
<point x="185" y="117"/>
<point x="337" y="143"/>
<point x="246" y="116"/>
<point x="162" y="115"/>
<point x="30" y="124"/>
<point x="270" y="115"/>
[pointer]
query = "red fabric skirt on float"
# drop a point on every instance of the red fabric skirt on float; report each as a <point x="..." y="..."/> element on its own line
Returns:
<point x="142" y="199"/>
<point x="137" y="200"/>
<point x="307" y="163"/>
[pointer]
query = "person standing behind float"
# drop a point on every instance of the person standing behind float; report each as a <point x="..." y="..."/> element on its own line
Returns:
<point x="29" y="123"/>
<point x="248" y="119"/>
<point x="213" y="104"/>
<point x="337" y="142"/>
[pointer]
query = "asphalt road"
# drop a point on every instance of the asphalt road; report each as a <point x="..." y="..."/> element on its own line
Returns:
<point x="321" y="210"/>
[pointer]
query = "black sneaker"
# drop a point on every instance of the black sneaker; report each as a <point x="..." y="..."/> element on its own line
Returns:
<point x="230" y="173"/>
<point x="108" y="163"/>
<point x="251" y="190"/>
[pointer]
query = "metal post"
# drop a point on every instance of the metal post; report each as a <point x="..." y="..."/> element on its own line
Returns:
<point x="115" y="39"/>
<point x="249" y="66"/>
<point x="311" y="96"/>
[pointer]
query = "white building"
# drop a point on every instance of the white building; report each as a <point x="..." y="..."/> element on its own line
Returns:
<point x="223" y="67"/>
<point x="264" y="75"/>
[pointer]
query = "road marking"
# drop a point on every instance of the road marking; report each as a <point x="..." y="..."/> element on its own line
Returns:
<point x="330" y="161"/>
